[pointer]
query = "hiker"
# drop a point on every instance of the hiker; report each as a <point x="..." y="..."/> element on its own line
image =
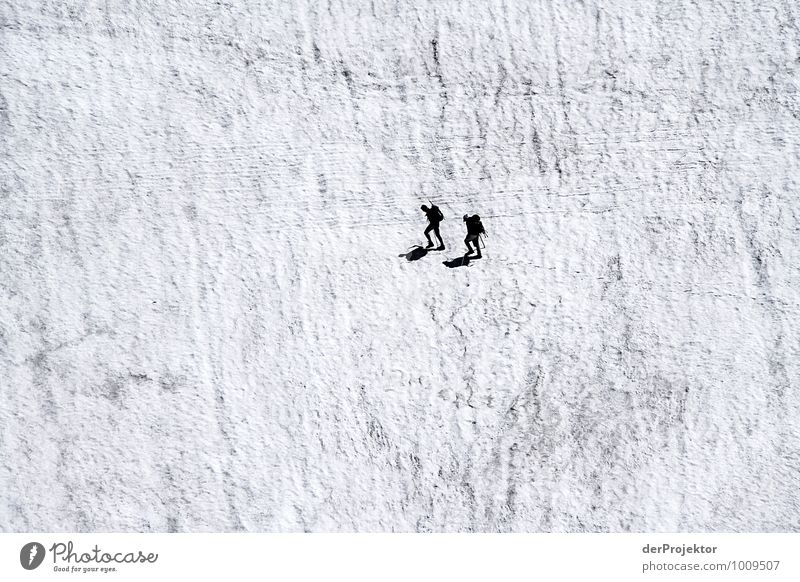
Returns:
<point x="435" y="216"/>
<point x="474" y="231"/>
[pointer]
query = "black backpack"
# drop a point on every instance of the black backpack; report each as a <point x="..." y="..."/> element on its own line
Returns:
<point x="437" y="212"/>
<point x="479" y="225"/>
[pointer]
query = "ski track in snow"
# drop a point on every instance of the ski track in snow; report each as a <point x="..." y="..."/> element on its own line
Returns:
<point x="205" y="323"/>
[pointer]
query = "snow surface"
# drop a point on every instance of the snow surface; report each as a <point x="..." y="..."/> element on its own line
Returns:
<point x="206" y="323"/>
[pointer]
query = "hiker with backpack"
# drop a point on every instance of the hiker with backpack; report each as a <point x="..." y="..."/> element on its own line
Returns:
<point x="435" y="216"/>
<point x="474" y="231"/>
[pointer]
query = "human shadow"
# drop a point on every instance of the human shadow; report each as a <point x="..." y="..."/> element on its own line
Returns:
<point x="460" y="261"/>
<point x="415" y="254"/>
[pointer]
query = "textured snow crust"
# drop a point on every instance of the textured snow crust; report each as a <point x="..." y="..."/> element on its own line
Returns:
<point x="206" y="323"/>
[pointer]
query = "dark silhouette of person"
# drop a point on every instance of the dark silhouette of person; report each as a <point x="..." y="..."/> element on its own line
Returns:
<point x="435" y="216"/>
<point x="474" y="231"/>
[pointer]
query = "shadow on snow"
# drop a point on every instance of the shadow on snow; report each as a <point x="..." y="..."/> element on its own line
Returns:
<point x="415" y="254"/>
<point x="460" y="261"/>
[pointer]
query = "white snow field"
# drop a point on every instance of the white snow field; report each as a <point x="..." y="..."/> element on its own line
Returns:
<point x="206" y="323"/>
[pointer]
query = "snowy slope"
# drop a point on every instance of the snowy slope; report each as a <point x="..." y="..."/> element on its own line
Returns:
<point x="206" y="323"/>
